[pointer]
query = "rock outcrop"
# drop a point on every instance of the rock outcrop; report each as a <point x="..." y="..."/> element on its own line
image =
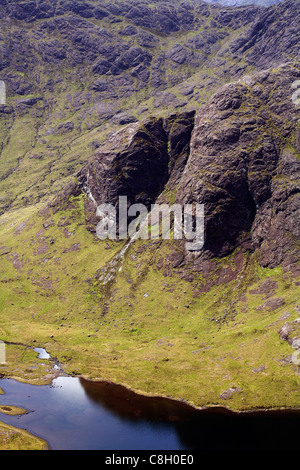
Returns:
<point x="239" y="156"/>
<point x="75" y="68"/>
<point x="245" y="153"/>
<point x="137" y="162"/>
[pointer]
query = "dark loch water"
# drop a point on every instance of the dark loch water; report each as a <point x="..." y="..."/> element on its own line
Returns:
<point x="74" y="414"/>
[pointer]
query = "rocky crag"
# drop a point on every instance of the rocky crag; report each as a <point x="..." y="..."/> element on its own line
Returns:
<point x="163" y="103"/>
<point x="76" y="70"/>
<point x="238" y="157"/>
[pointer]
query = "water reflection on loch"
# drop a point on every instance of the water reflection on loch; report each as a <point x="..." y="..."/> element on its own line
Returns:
<point x="78" y="414"/>
<point x="211" y="429"/>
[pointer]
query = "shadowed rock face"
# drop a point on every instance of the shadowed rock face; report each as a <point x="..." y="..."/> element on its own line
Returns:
<point x="133" y="162"/>
<point x="137" y="162"/>
<point x="75" y="67"/>
<point x="245" y="165"/>
<point x="239" y="157"/>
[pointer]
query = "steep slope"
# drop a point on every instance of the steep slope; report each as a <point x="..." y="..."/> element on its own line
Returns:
<point x="76" y="71"/>
<point x="162" y="103"/>
<point x="242" y="155"/>
<point x="206" y="326"/>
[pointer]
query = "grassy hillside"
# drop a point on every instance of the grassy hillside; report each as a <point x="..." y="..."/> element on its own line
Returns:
<point x="149" y="328"/>
<point x="155" y="326"/>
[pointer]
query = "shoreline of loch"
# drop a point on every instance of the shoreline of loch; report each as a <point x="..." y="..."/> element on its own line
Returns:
<point x="195" y="428"/>
<point x="120" y="391"/>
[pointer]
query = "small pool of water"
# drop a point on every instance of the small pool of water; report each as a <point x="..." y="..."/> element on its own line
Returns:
<point x="75" y="414"/>
<point x="42" y="353"/>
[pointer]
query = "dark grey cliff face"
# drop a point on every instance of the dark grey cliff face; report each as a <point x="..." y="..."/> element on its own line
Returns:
<point x="137" y="162"/>
<point x="127" y="60"/>
<point x="244" y="166"/>
<point x="239" y="156"/>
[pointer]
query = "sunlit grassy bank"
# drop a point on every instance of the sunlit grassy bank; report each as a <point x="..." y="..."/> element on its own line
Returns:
<point x="12" y="438"/>
<point x="150" y="328"/>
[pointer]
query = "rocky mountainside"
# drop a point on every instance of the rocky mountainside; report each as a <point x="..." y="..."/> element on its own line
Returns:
<point x="243" y="146"/>
<point x="162" y="102"/>
<point x="76" y="70"/>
